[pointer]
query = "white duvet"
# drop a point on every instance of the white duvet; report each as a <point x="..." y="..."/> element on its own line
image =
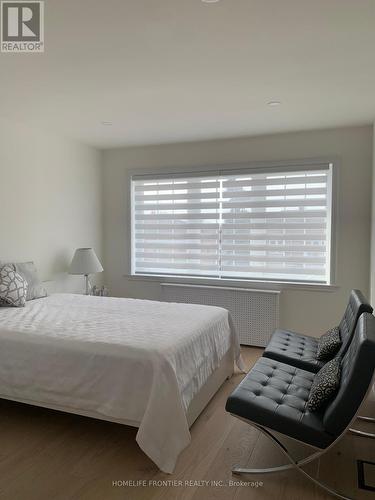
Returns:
<point x="133" y="360"/>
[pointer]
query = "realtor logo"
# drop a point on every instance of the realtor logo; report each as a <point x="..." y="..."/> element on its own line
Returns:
<point x="22" y="26"/>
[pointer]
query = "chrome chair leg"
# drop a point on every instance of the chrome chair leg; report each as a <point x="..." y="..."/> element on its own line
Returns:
<point x="269" y="470"/>
<point x="293" y="464"/>
<point x="357" y="432"/>
<point x="280" y="468"/>
<point x="366" y="419"/>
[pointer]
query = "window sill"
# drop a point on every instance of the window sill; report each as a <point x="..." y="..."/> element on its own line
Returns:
<point x="276" y="286"/>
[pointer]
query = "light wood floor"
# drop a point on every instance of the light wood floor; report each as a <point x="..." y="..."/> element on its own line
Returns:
<point x="46" y="455"/>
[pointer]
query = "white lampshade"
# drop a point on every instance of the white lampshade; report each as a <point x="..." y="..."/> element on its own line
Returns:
<point x="85" y="262"/>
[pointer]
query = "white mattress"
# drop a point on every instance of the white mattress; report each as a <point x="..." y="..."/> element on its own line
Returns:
<point x="127" y="359"/>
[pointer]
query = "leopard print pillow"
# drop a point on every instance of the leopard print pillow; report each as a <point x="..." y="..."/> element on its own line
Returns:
<point x="13" y="288"/>
<point x="325" y="384"/>
<point x="329" y="344"/>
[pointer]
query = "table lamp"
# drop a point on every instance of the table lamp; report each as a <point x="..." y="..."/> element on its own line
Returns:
<point x="85" y="262"/>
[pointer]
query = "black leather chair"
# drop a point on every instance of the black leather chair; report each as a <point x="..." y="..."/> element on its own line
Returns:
<point x="300" y="350"/>
<point x="273" y="396"/>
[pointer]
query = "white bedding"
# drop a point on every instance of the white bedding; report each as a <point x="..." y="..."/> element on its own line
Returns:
<point x="133" y="360"/>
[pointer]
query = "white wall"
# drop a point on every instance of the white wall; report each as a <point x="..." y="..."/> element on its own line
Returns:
<point x="306" y="311"/>
<point x="372" y="269"/>
<point x="50" y="199"/>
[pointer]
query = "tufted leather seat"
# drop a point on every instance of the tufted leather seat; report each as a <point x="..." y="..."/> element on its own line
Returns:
<point x="300" y="350"/>
<point x="274" y="394"/>
<point x="293" y="348"/>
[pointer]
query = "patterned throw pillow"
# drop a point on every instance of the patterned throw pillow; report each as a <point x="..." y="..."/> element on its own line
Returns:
<point x="28" y="271"/>
<point x="13" y="288"/>
<point x="325" y="384"/>
<point x="329" y="344"/>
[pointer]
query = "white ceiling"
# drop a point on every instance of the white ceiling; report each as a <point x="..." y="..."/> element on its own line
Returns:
<point x="176" y="70"/>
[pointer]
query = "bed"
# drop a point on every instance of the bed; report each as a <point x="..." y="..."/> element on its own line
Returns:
<point x="152" y="365"/>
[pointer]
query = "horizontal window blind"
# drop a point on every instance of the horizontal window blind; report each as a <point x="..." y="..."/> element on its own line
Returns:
<point x="176" y="226"/>
<point x="252" y="225"/>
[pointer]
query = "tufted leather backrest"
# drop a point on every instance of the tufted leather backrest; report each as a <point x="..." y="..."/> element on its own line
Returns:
<point x="357" y="369"/>
<point x="356" y="306"/>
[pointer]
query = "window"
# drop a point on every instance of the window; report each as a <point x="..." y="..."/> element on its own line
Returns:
<point x="245" y="224"/>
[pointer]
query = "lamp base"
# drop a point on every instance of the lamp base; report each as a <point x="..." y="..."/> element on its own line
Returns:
<point x="88" y="284"/>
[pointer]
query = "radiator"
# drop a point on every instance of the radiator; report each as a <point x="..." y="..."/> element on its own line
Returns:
<point x="255" y="313"/>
